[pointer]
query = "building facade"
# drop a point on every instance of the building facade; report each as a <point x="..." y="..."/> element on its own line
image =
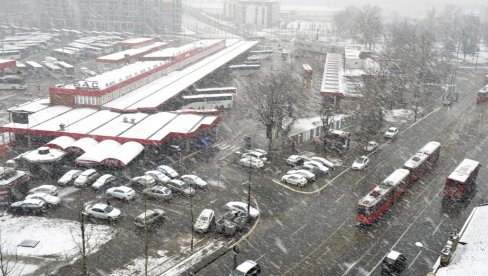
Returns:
<point x="135" y="16"/>
<point x="253" y="14"/>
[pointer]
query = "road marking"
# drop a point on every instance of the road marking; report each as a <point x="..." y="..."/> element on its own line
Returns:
<point x="299" y="229"/>
<point x="437" y="228"/>
<point x="225" y="156"/>
<point x="340" y="198"/>
<point x="224" y="147"/>
<point x="308" y="256"/>
<point x="179" y="213"/>
<point x="6" y="97"/>
<point x="414" y="259"/>
<point x="261" y="256"/>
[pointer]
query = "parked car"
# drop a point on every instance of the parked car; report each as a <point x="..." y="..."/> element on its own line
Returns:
<point x="28" y="206"/>
<point x="295" y="179"/>
<point x="102" y="211"/>
<point x="204" y="221"/>
<point x="48" y="189"/>
<point x="68" y="178"/>
<point x="167" y="170"/>
<point x="149" y="218"/>
<point x="322" y="169"/>
<point x="194" y="180"/>
<point x="307" y="174"/>
<point x="121" y="192"/>
<point x="247" y="268"/>
<point x="86" y="178"/>
<point x="103" y="181"/>
<point x="179" y="186"/>
<point x="50" y="200"/>
<point x="144" y="180"/>
<point x="371" y="146"/>
<point x="296" y="160"/>
<point x="323" y="161"/>
<point x="256" y="154"/>
<point x="158" y="192"/>
<point x="360" y="163"/>
<point x="394" y="263"/>
<point x="309" y="168"/>
<point x="242" y="207"/>
<point x="391" y="133"/>
<point x="159" y="176"/>
<point x="251" y="162"/>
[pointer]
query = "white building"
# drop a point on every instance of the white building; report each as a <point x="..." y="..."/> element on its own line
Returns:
<point x="253" y="14"/>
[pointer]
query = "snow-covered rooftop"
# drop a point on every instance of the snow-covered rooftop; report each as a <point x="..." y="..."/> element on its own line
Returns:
<point x="375" y="195"/>
<point x="120" y="56"/>
<point x="104" y="124"/>
<point x="172" y="52"/>
<point x="463" y="170"/>
<point x="470" y="256"/>
<point x="332" y="80"/>
<point x="136" y="40"/>
<point x="415" y="161"/>
<point x="156" y="93"/>
<point x="430" y="147"/>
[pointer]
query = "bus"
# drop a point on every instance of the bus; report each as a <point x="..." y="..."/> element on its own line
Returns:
<point x="53" y="68"/>
<point x="482" y="95"/>
<point x="68" y="69"/>
<point x="208" y="101"/>
<point x="34" y="68"/>
<point x="10" y="54"/>
<point x="13" y="82"/>
<point x="376" y="202"/>
<point x="462" y="181"/>
<point x="244" y="66"/>
<point x="216" y="90"/>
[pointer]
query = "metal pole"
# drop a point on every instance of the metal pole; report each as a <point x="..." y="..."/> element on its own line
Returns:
<point x="191" y="215"/>
<point x="249" y="186"/>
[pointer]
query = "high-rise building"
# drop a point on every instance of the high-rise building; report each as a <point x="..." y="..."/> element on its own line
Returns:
<point x="137" y="16"/>
<point x="253" y="14"/>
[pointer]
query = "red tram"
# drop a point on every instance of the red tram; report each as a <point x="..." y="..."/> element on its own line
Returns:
<point x="371" y="206"/>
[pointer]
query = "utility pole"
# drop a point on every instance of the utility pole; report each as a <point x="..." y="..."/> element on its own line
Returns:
<point x="191" y="216"/>
<point x="249" y="185"/>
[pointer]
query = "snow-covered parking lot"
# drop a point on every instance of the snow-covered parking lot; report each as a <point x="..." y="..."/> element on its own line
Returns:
<point x="59" y="240"/>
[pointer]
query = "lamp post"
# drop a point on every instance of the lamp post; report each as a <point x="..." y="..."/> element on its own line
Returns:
<point x="191" y="216"/>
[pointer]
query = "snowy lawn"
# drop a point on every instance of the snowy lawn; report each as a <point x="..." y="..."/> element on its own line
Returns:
<point x="58" y="239"/>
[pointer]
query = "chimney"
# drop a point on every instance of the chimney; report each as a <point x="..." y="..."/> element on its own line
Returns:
<point x="62" y="127"/>
<point x="132" y="121"/>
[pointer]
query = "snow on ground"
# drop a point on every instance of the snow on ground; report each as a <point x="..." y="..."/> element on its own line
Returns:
<point x="58" y="239"/>
<point x="400" y="115"/>
<point x="166" y="265"/>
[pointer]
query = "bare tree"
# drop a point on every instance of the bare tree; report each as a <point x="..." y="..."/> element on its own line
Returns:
<point x="271" y="99"/>
<point x="9" y="264"/>
<point x="369" y="25"/>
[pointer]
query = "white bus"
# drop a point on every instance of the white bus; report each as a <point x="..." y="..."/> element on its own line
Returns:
<point x="216" y="90"/>
<point x="10" y="54"/>
<point x="34" y="68"/>
<point x="53" y="68"/>
<point x="208" y="101"/>
<point x="244" y="66"/>
<point x="12" y="82"/>
<point x="68" y="69"/>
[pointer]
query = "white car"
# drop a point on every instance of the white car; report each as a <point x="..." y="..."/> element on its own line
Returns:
<point x="158" y="176"/>
<point x="310" y="176"/>
<point x="323" y="161"/>
<point x="87" y="177"/>
<point x="256" y="154"/>
<point x="180" y="186"/>
<point x="49" y="199"/>
<point x="167" y="170"/>
<point x="102" y="211"/>
<point x="204" y="221"/>
<point x="392" y="132"/>
<point x="360" y="163"/>
<point x="247" y="268"/>
<point x="295" y="160"/>
<point x="371" y="146"/>
<point x="252" y="162"/>
<point x="144" y="180"/>
<point x="241" y="206"/>
<point x="121" y="192"/>
<point x="47" y="189"/>
<point x="69" y="177"/>
<point x="318" y="165"/>
<point x="194" y="180"/>
<point x="295" y="179"/>
<point x="103" y="181"/>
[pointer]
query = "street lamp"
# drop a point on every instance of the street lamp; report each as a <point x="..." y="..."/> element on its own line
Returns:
<point x="191" y="215"/>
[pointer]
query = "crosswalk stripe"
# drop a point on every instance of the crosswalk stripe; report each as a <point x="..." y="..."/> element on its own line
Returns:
<point x="226" y="146"/>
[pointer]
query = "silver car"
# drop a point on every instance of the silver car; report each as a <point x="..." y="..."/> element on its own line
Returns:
<point x="68" y="178"/>
<point x="204" y="221"/>
<point x="158" y="192"/>
<point x="179" y="186"/>
<point x="102" y="211"/>
<point x="87" y="177"/>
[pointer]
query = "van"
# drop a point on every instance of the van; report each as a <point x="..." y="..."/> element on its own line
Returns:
<point x="394" y="263"/>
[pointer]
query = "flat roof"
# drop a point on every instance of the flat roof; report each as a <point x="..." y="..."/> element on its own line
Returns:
<point x="136" y="40"/>
<point x="156" y="93"/>
<point x="470" y="255"/>
<point x="6" y="63"/>
<point x="463" y="170"/>
<point x="171" y="52"/>
<point x="144" y="128"/>
<point x="333" y="73"/>
<point x="120" y="56"/>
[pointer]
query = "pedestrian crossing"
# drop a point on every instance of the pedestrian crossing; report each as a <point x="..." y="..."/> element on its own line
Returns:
<point x="225" y="146"/>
